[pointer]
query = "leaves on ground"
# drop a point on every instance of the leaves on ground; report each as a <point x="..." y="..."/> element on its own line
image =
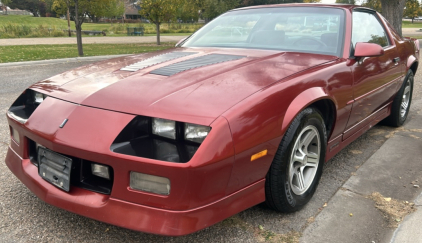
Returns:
<point x="393" y="210"/>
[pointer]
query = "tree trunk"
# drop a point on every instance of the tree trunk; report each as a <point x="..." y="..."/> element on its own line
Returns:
<point x="392" y="10"/>
<point x="68" y="22"/>
<point x="79" y="40"/>
<point x="78" y="25"/>
<point x="157" y="28"/>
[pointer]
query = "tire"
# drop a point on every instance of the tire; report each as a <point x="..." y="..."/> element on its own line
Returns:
<point x="283" y="188"/>
<point x="401" y="104"/>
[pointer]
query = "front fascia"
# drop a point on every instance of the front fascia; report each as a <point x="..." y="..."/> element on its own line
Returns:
<point x="89" y="133"/>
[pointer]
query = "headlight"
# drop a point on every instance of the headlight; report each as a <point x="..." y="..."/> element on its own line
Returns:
<point x="38" y="97"/>
<point x="160" y="139"/>
<point x="164" y="128"/>
<point x="196" y="133"/>
<point x="25" y="105"/>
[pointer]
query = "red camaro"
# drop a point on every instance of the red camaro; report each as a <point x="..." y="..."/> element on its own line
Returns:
<point x="245" y="110"/>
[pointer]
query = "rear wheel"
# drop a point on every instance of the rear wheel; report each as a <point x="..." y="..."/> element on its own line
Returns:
<point x="401" y="104"/>
<point x="297" y="166"/>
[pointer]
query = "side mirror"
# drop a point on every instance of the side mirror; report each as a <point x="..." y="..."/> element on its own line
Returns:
<point x="180" y="41"/>
<point x="363" y="49"/>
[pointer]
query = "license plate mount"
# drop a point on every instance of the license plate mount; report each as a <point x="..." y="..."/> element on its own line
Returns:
<point x="54" y="168"/>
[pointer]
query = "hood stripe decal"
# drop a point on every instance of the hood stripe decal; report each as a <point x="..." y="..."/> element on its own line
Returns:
<point x="194" y="63"/>
<point x="156" y="60"/>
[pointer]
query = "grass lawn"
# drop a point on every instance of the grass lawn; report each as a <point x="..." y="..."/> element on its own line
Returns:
<point x="15" y="26"/>
<point x="43" y="52"/>
<point x="409" y="24"/>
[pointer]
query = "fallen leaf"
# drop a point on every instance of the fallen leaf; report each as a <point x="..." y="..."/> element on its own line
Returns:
<point x="261" y="227"/>
<point x="387" y="199"/>
<point x="325" y="205"/>
<point x="351" y="214"/>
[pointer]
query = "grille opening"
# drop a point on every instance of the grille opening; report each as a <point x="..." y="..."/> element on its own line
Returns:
<point x="81" y="175"/>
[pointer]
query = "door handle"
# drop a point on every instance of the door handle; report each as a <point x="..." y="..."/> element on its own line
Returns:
<point x="396" y="60"/>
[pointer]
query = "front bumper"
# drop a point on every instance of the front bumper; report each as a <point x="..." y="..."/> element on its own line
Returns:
<point x="133" y="216"/>
<point x="198" y="197"/>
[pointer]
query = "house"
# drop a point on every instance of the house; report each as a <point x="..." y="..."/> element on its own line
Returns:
<point x="132" y="11"/>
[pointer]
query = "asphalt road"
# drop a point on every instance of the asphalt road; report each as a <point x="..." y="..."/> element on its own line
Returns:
<point x="25" y="218"/>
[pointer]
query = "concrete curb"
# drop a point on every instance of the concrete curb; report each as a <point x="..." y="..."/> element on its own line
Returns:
<point x="351" y="216"/>
<point x="63" y="60"/>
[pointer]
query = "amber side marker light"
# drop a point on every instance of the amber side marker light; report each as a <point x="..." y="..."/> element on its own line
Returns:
<point x="259" y="155"/>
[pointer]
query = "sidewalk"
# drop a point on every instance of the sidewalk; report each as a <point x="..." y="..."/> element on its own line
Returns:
<point x="395" y="172"/>
<point x="88" y="40"/>
<point x="412" y="32"/>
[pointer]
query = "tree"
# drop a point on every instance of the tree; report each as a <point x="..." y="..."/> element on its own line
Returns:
<point x="113" y="8"/>
<point x="213" y="8"/>
<point x="374" y="4"/>
<point x="78" y="10"/>
<point x="189" y="10"/>
<point x="5" y="4"/>
<point x="245" y="3"/>
<point x="159" y="11"/>
<point x="34" y="6"/>
<point x="392" y="10"/>
<point x="346" y="1"/>
<point x="413" y="9"/>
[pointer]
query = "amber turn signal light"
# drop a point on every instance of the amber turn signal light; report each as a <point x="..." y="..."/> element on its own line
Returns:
<point x="259" y="155"/>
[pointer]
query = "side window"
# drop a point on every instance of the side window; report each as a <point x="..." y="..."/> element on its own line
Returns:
<point x="367" y="28"/>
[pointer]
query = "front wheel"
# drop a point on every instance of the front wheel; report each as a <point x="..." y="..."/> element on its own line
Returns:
<point x="297" y="166"/>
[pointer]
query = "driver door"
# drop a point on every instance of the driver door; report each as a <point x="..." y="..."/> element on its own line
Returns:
<point x="375" y="78"/>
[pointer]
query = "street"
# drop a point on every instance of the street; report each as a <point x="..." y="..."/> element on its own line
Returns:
<point x="25" y="218"/>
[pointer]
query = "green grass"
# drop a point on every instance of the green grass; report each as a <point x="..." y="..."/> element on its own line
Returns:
<point x="15" y="26"/>
<point x="409" y="24"/>
<point x="43" y="52"/>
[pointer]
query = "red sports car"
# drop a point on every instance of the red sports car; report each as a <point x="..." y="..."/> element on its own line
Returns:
<point x="245" y="110"/>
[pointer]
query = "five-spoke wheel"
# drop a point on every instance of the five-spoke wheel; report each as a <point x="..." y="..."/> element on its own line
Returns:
<point x="297" y="166"/>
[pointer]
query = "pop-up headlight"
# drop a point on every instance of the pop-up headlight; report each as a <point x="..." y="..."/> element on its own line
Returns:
<point x="164" y="128"/>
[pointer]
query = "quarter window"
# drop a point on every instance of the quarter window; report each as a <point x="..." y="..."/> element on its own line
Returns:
<point x="367" y="28"/>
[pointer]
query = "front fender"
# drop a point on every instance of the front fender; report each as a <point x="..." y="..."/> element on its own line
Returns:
<point x="302" y="101"/>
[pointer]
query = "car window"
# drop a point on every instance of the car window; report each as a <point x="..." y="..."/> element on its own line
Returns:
<point x="367" y="28"/>
<point x="301" y="29"/>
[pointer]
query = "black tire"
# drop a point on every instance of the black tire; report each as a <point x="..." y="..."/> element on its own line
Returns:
<point x="396" y="118"/>
<point x="281" y="194"/>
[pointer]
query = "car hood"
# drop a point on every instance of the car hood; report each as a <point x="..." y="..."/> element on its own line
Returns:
<point x="190" y="93"/>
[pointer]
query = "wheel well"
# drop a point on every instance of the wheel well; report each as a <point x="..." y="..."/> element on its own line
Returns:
<point x="328" y="112"/>
<point x="414" y="67"/>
